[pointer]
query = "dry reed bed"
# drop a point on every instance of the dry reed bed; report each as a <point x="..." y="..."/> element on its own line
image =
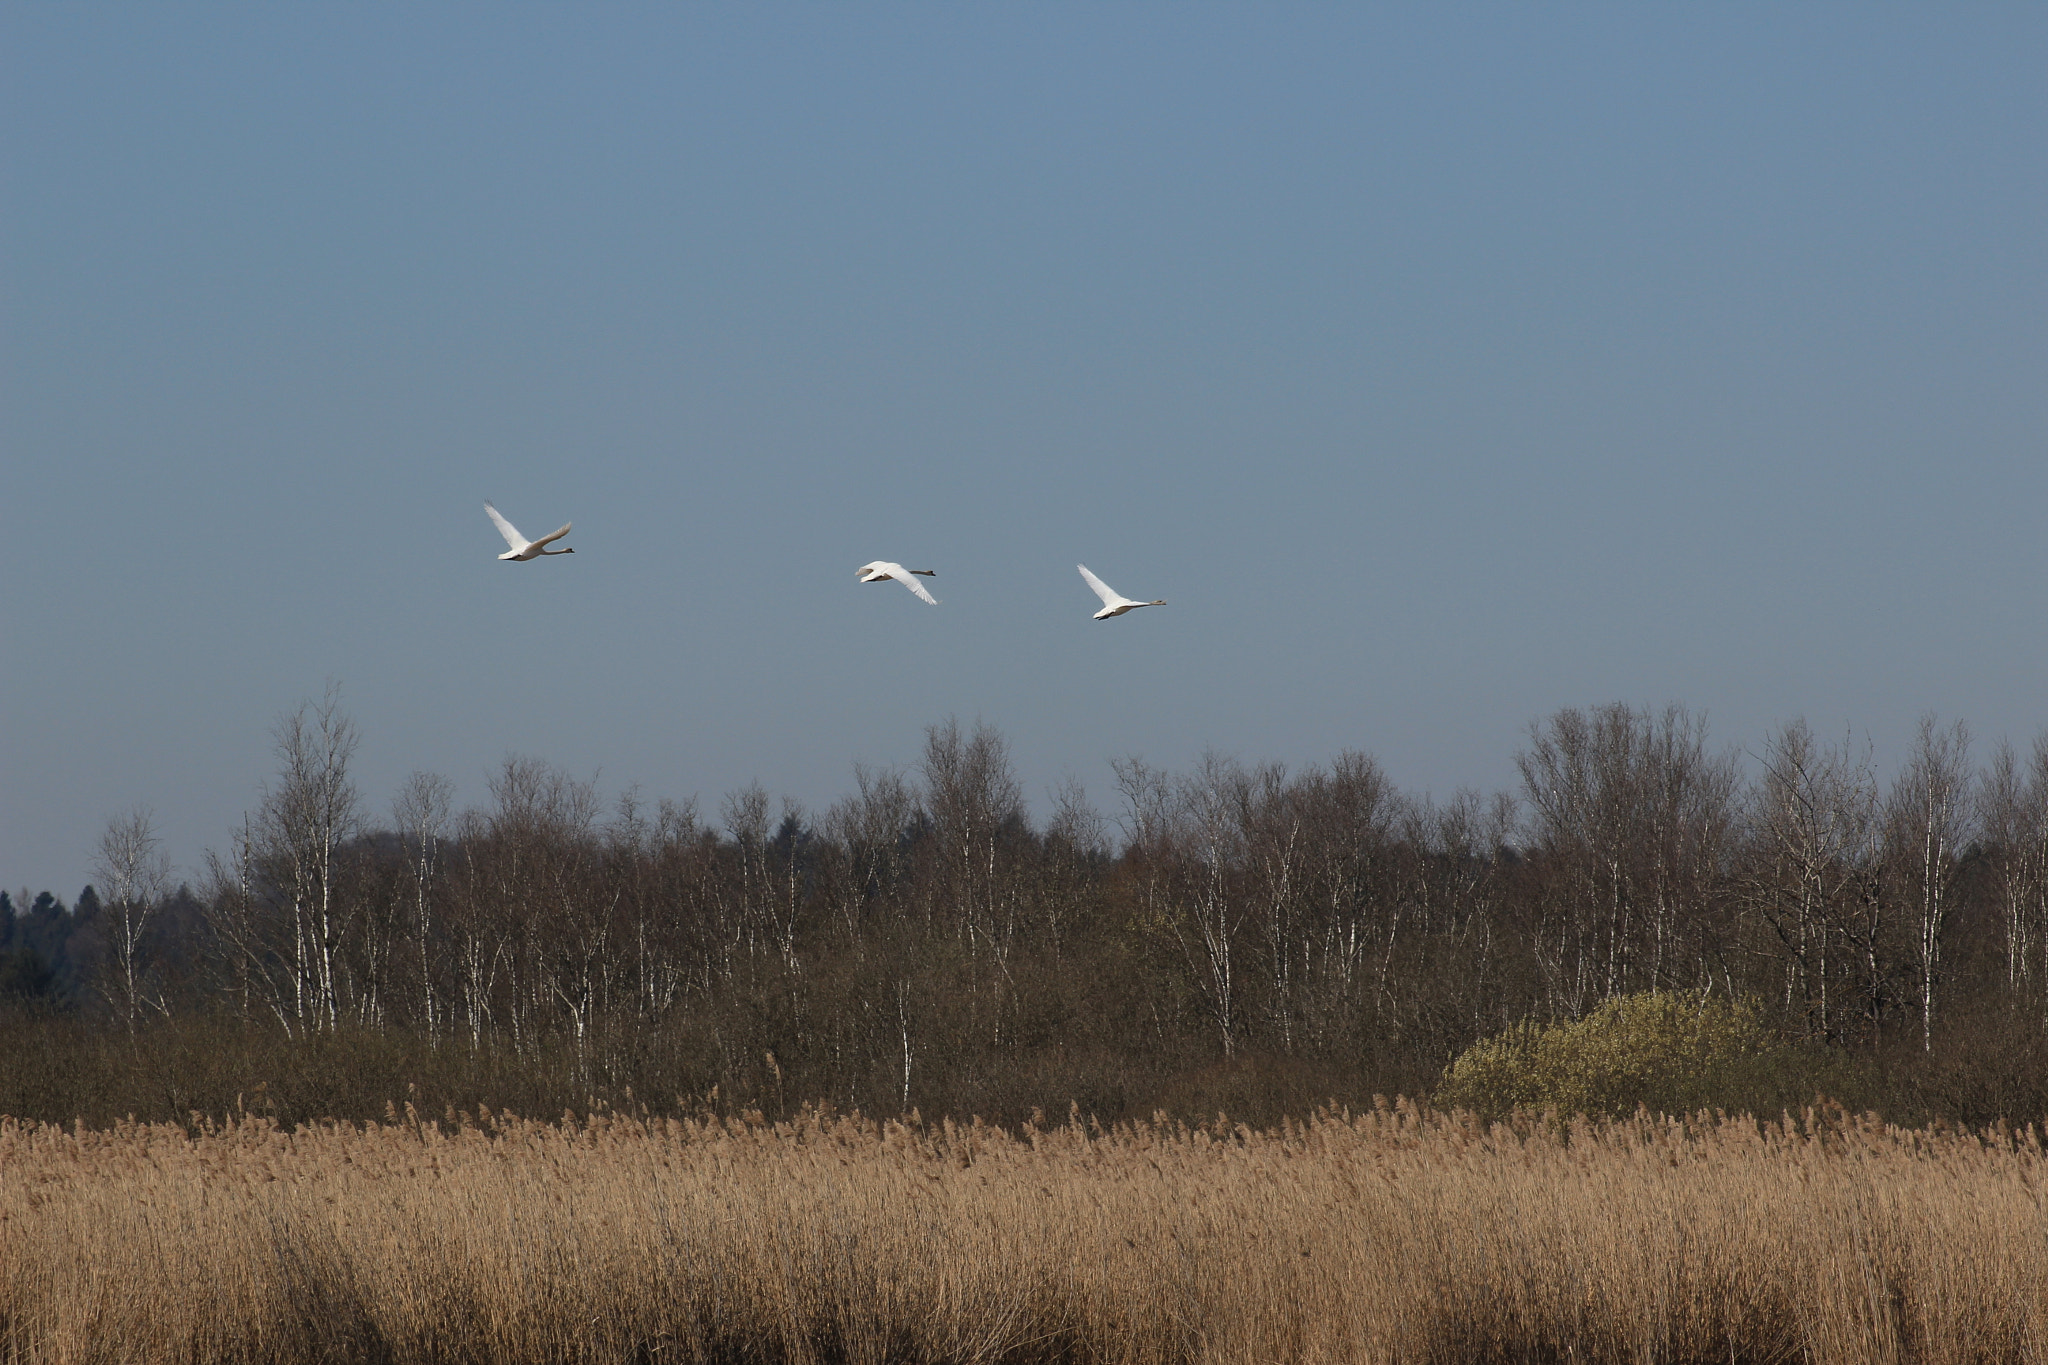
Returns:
<point x="1387" y="1236"/>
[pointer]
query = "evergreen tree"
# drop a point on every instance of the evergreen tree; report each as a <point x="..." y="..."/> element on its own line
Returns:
<point x="25" y="976"/>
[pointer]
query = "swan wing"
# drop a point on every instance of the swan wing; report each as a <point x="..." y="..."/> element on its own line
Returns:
<point x="908" y="580"/>
<point x="549" y="540"/>
<point x="1110" y="597"/>
<point x="507" y="529"/>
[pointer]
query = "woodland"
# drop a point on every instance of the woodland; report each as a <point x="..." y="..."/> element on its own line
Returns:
<point x="1238" y="938"/>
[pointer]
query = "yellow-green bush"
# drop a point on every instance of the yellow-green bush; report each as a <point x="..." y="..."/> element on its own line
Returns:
<point x="1674" y="1051"/>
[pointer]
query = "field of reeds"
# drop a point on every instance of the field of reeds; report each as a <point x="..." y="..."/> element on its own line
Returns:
<point x="1391" y="1235"/>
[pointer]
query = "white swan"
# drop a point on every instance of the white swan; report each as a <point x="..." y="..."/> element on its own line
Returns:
<point x="881" y="571"/>
<point x="1114" y="603"/>
<point x="522" y="548"/>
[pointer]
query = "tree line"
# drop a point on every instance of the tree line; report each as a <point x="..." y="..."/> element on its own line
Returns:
<point x="1238" y="935"/>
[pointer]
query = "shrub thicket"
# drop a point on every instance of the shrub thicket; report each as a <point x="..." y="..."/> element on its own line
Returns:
<point x="1669" y="1051"/>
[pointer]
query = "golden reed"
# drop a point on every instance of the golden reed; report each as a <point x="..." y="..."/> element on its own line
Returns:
<point x="1385" y="1236"/>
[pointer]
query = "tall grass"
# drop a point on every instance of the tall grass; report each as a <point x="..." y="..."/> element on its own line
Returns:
<point x="1391" y="1235"/>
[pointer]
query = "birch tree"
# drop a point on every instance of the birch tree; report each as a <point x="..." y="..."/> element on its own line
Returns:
<point x="1928" y="823"/>
<point x="420" y="814"/>
<point x="977" y="812"/>
<point x="1811" y="877"/>
<point x="1631" y="815"/>
<point x="1209" y="909"/>
<point x="134" y="874"/>
<point x="306" y="815"/>
<point x="2013" y="817"/>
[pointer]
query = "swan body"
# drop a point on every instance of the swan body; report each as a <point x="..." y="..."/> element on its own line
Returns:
<point x="1114" y="603"/>
<point x="881" y="571"/>
<point x="522" y="548"/>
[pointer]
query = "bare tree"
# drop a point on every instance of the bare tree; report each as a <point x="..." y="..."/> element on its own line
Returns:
<point x="1632" y="814"/>
<point x="546" y="875"/>
<point x="134" y="874"/>
<point x="871" y="828"/>
<point x="1150" y="825"/>
<point x="1352" y="916"/>
<point x="689" y="916"/>
<point x="2013" y="816"/>
<point x="762" y="898"/>
<point x="663" y="906"/>
<point x="1811" y="876"/>
<point x="249" y="961"/>
<point x="977" y="811"/>
<point x="971" y="794"/>
<point x="479" y="929"/>
<point x="1928" y="823"/>
<point x="305" y="817"/>
<point x="1461" y="858"/>
<point x="421" y="812"/>
<point x="1270" y="819"/>
<point x="1074" y="842"/>
<point x="1208" y="913"/>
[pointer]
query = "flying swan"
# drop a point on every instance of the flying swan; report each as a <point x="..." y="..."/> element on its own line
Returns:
<point x="522" y="548"/>
<point x="1114" y="603"/>
<point x="881" y="571"/>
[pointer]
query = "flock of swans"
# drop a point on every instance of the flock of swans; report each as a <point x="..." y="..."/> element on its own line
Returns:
<point x="1114" y="603"/>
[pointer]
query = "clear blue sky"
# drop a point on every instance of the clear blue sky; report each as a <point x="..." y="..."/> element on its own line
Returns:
<point x="1441" y="365"/>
